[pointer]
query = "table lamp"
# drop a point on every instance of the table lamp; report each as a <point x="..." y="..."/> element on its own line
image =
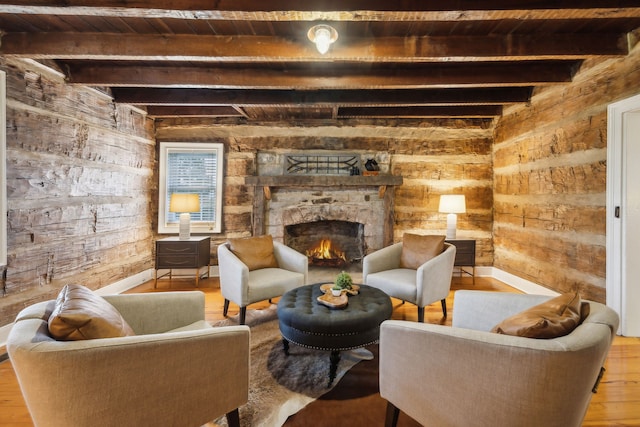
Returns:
<point x="184" y="204"/>
<point x="452" y="204"/>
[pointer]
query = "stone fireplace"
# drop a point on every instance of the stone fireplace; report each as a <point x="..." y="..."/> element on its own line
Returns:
<point x="354" y="212"/>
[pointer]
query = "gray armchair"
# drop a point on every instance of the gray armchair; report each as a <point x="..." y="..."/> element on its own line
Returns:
<point x="431" y="282"/>
<point x="244" y="286"/>
<point x="465" y="375"/>
<point x="176" y="370"/>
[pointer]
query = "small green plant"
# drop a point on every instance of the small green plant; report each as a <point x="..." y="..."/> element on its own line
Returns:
<point x="343" y="281"/>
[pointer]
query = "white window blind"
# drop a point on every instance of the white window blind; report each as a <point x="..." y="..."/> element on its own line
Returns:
<point x="193" y="173"/>
<point x="196" y="169"/>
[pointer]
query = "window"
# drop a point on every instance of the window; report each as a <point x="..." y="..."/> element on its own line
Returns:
<point x="194" y="168"/>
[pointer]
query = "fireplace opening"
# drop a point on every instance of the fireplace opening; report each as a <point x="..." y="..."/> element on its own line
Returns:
<point x="327" y="243"/>
<point x="326" y="254"/>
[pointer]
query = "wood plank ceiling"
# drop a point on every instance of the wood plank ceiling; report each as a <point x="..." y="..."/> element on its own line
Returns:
<point x="251" y="59"/>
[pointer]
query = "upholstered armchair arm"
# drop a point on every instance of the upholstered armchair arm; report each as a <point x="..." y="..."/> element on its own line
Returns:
<point x="130" y="380"/>
<point x="433" y="278"/>
<point x="290" y="259"/>
<point x="153" y="313"/>
<point x="387" y="258"/>
<point x="458" y="375"/>
<point x="234" y="275"/>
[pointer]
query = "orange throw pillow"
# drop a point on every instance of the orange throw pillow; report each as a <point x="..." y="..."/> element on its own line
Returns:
<point x="80" y="314"/>
<point x="255" y="252"/>
<point x="554" y="318"/>
<point x="418" y="249"/>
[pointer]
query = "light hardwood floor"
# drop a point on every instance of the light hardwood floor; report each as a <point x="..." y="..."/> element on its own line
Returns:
<point x="617" y="402"/>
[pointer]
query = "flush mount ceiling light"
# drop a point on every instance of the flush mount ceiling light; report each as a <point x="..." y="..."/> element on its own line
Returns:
<point x="322" y="35"/>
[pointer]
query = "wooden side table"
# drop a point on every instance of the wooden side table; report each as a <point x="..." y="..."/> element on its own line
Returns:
<point x="465" y="255"/>
<point x="173" y="253"/>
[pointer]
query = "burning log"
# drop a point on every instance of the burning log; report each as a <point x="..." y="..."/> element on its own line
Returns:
<point x="326" y="254"/>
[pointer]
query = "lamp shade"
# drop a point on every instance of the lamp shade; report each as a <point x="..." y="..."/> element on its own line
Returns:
<point x="452" y="203"/>
<point x="183" y="202"/>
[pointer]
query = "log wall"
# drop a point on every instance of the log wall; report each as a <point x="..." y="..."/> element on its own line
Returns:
<point x="82" y="179"/>
<point x="80" y="184"/>
<point x="550" y="179"/>
<point x="433" y="156"/>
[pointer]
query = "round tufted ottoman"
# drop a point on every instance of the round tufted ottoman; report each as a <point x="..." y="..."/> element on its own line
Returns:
<point x="305" y="322"/>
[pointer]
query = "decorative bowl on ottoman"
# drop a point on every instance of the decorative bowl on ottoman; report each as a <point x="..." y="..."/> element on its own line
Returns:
<point x="333" y="301"/>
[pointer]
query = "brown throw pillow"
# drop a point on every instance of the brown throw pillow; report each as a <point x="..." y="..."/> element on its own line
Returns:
<point x="418" y="249"/>
<point x="80" y="314"/>
<point x="554" y="318"/>
<point x="255" y="252"/>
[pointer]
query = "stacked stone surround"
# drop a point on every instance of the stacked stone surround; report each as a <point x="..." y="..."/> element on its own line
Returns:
<point x="300" y="205"/>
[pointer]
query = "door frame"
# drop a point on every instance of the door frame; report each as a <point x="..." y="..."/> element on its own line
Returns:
<point x="616" y="183"/>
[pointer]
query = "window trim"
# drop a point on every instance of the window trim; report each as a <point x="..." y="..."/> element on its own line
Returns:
<point x="197" y="227"/>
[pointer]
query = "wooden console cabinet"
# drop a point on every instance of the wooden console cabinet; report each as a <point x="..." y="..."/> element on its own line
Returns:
<point x="465" y="255"/>
<point x="173" y="253"/>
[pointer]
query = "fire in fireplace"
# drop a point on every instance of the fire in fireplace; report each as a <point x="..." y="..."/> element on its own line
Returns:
<point x="326" y="254"/>
<point x="327" y="243"/>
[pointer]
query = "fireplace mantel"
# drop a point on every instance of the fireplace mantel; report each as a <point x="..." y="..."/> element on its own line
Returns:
<point x="264" y="183"/>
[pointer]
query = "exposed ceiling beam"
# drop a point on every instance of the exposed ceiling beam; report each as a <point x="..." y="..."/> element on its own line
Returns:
<point x="330" y="76"/>
<point x="477" y="111"/>
<point x="351" y="10"/>
<point x="210" y="111"/>
<point x="101" y="46"/>
<point x="396" y="97"/>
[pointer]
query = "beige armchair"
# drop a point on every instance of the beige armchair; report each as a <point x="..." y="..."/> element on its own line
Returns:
<point x="244" y="285"/>
<point x="429" y="283"/>
<point x="465" y="375"/>
<point x="176" y="370"/>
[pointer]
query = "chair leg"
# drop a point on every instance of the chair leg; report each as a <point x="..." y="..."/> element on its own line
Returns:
<point x="225" y="310"/>
<point x="243" y="314"/>
<point x="233" y="418"/>
<point x="421" y="314"/>
<point x="391" y="419"/>
<point x="444" y="307"/>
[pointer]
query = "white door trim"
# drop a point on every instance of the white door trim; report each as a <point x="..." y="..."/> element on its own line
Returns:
<point x="615" y="238"/>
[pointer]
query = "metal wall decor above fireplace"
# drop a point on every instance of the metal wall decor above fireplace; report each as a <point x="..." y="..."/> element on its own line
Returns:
<point x="321" y="164"/>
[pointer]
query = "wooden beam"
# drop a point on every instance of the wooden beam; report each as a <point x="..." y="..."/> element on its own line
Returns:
<point x="207" y="111"/>
<point x="187" y="47"/>
<point x="330" y="77"/>
<point x="352" y="10"/>
<point x="421" y="111"/>
<point x="399" y="97"/>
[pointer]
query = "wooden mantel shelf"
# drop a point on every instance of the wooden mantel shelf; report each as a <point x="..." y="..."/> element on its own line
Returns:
<point x="322" y="181"/>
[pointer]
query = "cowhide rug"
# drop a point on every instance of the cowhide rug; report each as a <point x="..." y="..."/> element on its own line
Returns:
<point x="280" y="385"/>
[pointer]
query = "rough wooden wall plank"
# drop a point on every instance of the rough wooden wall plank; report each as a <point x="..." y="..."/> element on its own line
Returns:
<point x="54" y="134"/>
<point x="525" y="213"/>
<point x="580" y="135"/>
